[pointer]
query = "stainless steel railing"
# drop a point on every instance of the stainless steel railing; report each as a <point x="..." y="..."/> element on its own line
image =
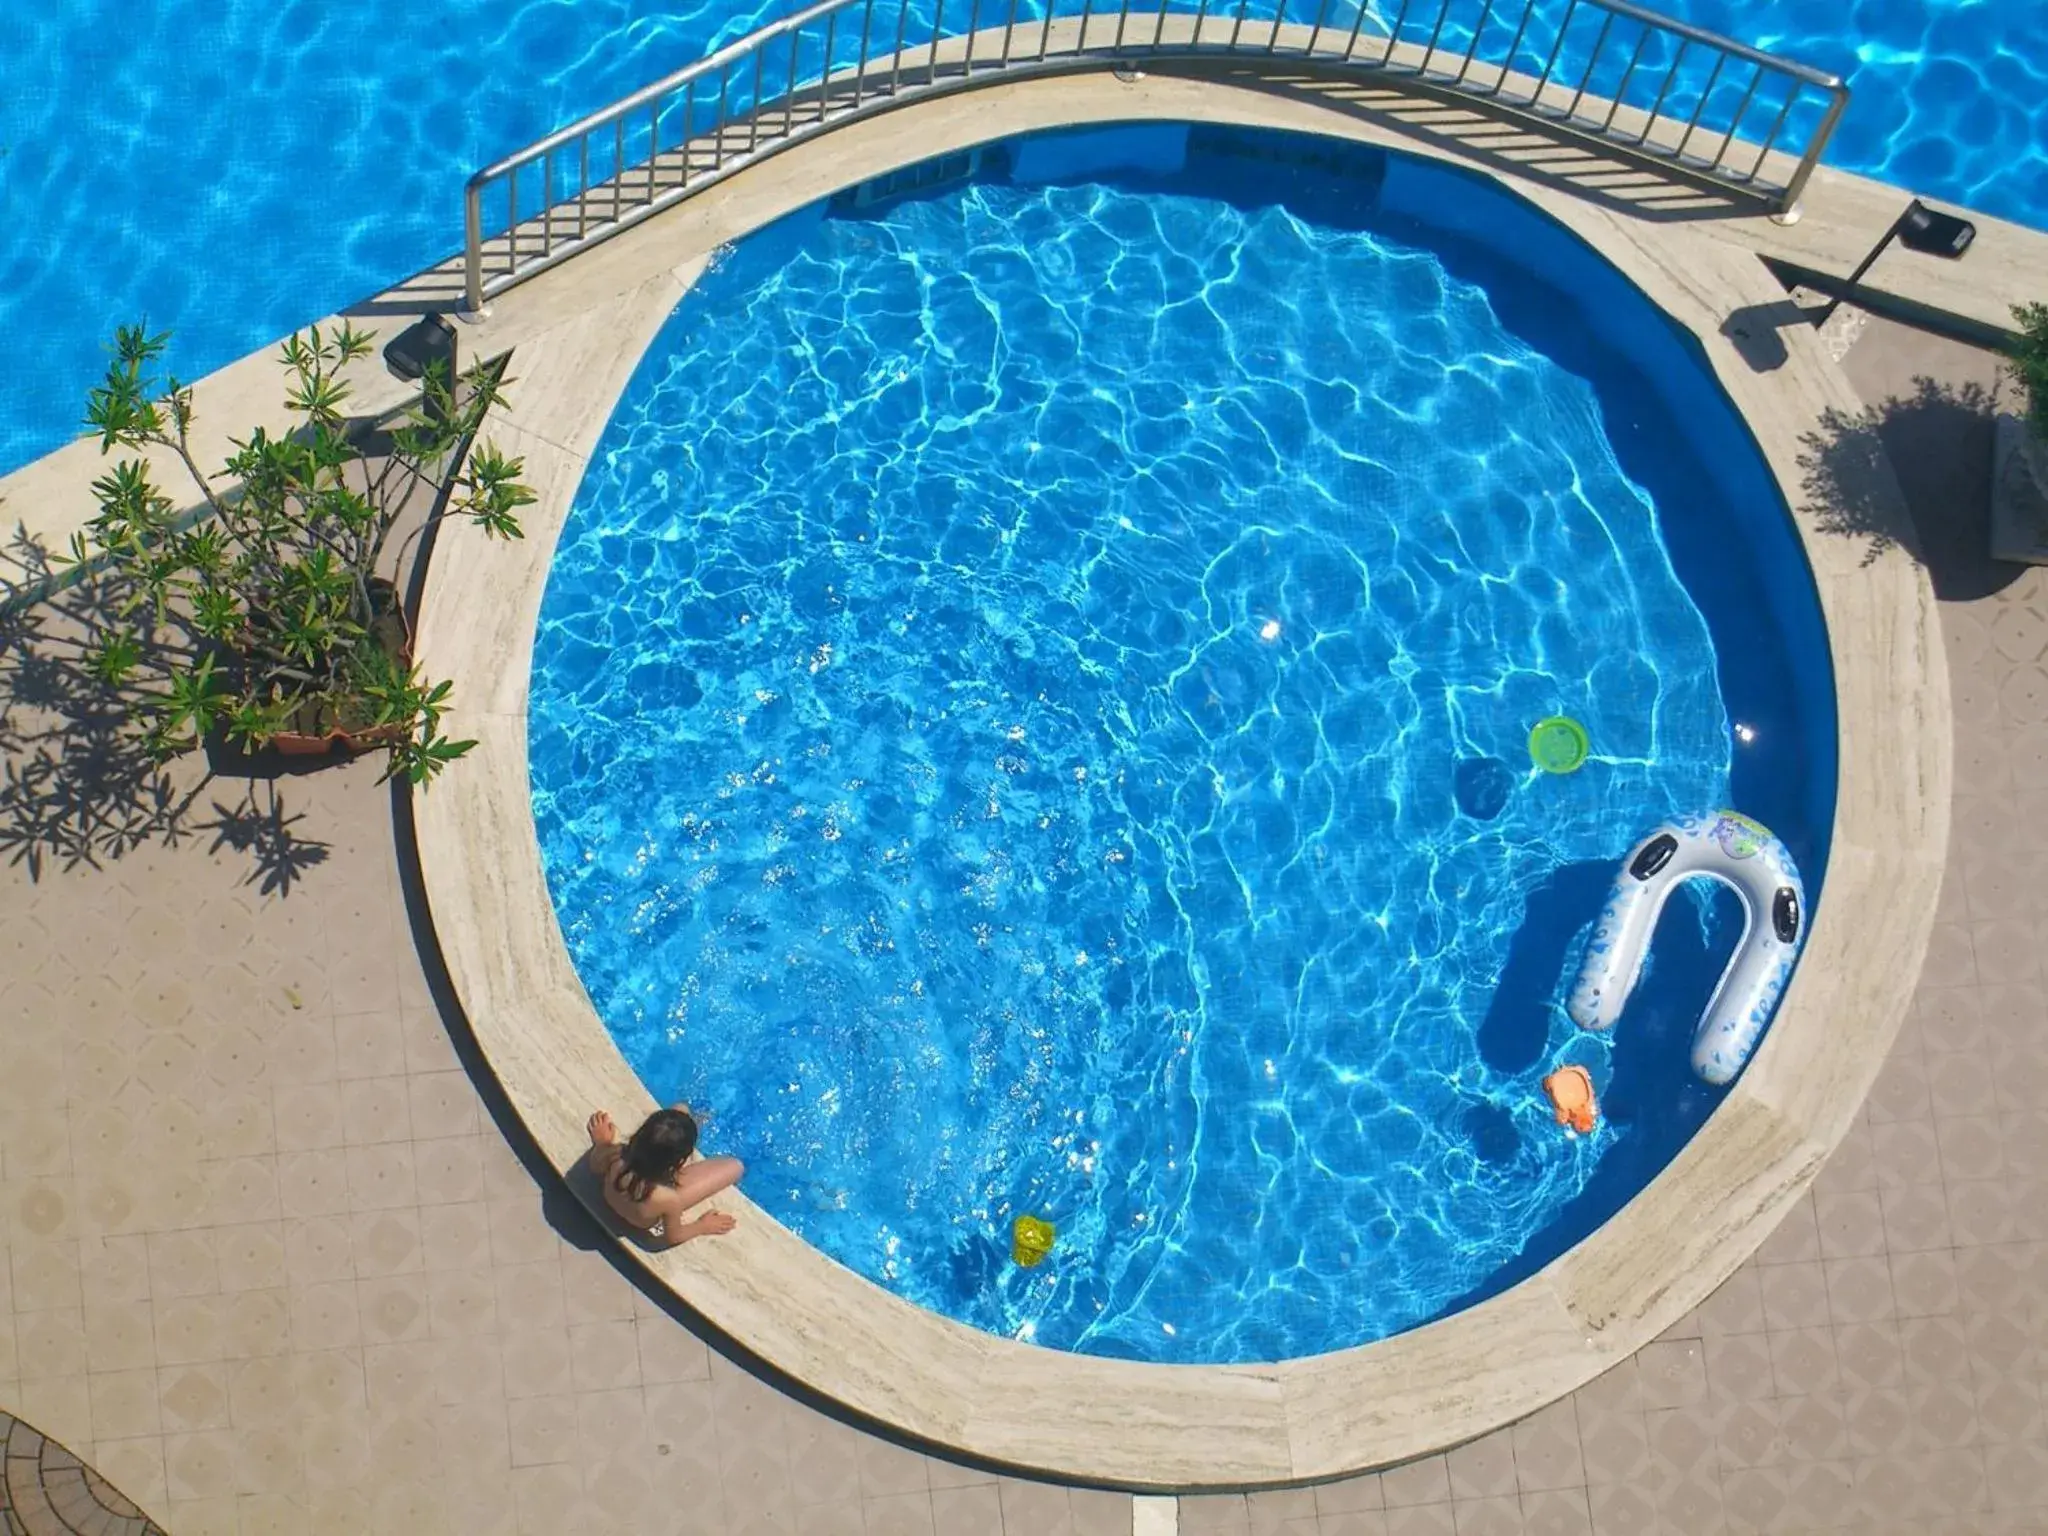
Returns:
<point x="1641" y="87"/>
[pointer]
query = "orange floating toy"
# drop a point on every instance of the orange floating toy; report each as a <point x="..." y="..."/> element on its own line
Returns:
<point x="1571" y="1095"/>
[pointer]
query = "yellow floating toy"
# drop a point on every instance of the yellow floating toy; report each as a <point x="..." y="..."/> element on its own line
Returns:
<point x="1030" y="1241"/>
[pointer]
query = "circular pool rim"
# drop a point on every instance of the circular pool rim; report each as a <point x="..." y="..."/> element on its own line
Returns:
<point x="1190" y="1427"/>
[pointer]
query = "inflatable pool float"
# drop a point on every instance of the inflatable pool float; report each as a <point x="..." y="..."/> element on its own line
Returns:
<point x="1751" y="862"/>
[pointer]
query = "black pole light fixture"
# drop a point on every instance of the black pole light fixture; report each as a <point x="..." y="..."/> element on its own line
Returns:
<point x="1920" y="228"/>
<point x="419" y="346"/>
<point x="426" y="343"/>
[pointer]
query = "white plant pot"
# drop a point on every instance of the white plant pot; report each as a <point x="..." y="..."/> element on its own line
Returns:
<point x="2019" y="492"/>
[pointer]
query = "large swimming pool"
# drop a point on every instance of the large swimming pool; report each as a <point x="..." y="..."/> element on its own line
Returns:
<point x="232" y="169"/>
<point x="1029" y="717"/>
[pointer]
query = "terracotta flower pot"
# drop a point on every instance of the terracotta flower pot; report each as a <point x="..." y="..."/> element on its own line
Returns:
<point x="299" y="744"/>
<point x="2019" y="491"/>
<point x="395" y="632"/>
<point x="305" y="744"/>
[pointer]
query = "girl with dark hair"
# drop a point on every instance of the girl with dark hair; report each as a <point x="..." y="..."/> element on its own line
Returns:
<point x="650" y="1181"/>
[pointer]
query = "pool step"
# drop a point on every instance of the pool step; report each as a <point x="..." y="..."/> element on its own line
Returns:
<point x="913" y="180"/>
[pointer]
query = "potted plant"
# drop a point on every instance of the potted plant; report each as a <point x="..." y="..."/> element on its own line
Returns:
<point x="272" y="614"/>
<point x="2019" y="451"/>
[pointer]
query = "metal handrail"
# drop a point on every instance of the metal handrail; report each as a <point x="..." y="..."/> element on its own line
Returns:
<point x="797" y="77"/>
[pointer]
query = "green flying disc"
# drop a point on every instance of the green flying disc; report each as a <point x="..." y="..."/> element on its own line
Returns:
<point x="1558" y="745"/>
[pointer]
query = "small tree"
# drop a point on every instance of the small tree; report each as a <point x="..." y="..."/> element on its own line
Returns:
<point x="274" y="611"/>
<point x="2029" y="363"/>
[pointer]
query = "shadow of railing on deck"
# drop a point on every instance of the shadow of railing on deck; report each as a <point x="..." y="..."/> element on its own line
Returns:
<point x="1465" y="128"/>
<point x="1935" y="444"/>
<point x="78" y="783"/>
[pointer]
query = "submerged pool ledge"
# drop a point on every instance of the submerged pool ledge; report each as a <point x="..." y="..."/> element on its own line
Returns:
<point x="582" y="330"/>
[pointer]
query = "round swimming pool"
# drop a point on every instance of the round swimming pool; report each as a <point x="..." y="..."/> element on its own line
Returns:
<point x="1030" y="716"/>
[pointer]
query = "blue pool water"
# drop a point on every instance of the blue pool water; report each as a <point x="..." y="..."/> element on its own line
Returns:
<point x="232" y="169"/>
<point x="1029" y="715"/>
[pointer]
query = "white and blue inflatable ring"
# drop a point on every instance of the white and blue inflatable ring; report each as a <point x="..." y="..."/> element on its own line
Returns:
<point x="1750" y="861"/>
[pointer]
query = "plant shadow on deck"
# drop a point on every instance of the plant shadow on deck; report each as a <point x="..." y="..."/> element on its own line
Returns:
<point x="78" y="785"/>
<point x="1934" y="445"/>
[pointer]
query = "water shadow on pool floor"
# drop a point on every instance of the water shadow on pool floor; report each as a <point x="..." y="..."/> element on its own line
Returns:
<point x="1554" y="923"/>
<point x="1651" y="1096"/>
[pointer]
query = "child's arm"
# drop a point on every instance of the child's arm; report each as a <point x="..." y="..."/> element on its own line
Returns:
<point x="604" y="1144"/>
<point x="676" y="1232"/>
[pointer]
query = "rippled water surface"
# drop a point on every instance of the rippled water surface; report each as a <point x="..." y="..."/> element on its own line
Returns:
<point x="231" y="169"/>
<point x="1029" y="716"/>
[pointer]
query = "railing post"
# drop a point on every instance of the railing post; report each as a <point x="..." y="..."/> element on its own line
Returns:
<point x="1507" y="65"/>
<point x="1621" y="90"/>
<point x="473" y="248"/>
<point x="689" y="126"/>
<point x="582" y="185"/>
<point x="639" y="191"/>
<point x="789" y="97"/>
<point x="1763" y="151"/>
<point x="1741" y="110"/>
<point x="1472" y="48"/>
<point x="1788" y="201"/>
<point x="1657" y="106"/>
<point x="1394" y="32"/>
<point x="1720" y="62"/>
<point x="1357" y="26"/>
<point x="1592" y="63"/>
<point x="860" y="69"/>
<point x="718" y="118"/>
<point x="754" y="112"/>
<point x="1556" y="49"/>
<point x="1443" y="15"/>
<point x="1316" y="32"/>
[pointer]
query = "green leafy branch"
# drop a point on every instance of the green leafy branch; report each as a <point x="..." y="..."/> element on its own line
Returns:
<point x="273" y="607"/>
<point x="2028" y="361"/>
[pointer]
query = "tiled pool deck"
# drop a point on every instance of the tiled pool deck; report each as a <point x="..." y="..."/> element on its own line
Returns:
<point x="276" y="1260"/>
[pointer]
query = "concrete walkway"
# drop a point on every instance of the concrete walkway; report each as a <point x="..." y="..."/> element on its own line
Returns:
<point x="276" y="1259"/>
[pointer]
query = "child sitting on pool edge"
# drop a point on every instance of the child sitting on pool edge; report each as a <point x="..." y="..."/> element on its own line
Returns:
<point x="650" y="1181"/>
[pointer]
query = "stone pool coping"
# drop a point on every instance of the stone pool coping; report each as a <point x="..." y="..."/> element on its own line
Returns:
<point x="1194" y="1427"/>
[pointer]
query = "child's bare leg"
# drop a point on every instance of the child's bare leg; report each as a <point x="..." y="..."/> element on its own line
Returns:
<point x="701" y="1180"/>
